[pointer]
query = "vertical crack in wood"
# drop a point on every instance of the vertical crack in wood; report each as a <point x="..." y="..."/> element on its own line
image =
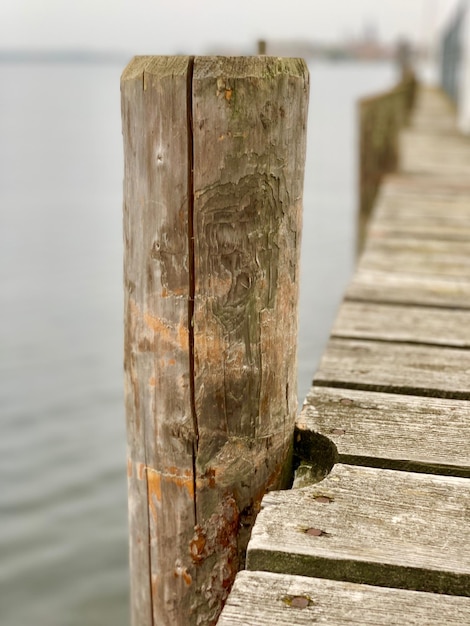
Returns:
<point x="145" y="476"/>
<point x="192" y="279"/>
<point x="149" y="497"/>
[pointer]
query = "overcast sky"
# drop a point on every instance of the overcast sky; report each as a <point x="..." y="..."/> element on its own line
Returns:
<point x="194" y="26"/>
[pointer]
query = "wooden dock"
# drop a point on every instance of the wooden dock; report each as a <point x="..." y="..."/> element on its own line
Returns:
<point x="385" y="537"/>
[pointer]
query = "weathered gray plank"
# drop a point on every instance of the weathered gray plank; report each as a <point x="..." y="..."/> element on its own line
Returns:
<point x="363" y="320"/>
<point x="420" y="212"/>
<point x="391" y="430"/>
<point x="402" y="203"/>
<point x="373" y="526"/>
<point x="264" y="599"/>
<point x="417" y="256"/>
<point x="423" y="153"/>
<point x="424" y="228"/>
<point x="434" y="112"/>
<point x="424" y="186"/>
<point x="410" y="220"/>
<point x="406" y="288"/>
<point x="395" y="367"/>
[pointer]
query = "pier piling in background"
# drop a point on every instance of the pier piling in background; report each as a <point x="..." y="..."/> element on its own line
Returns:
<point x="214" y="160"/>
<point x="381" y="119"/>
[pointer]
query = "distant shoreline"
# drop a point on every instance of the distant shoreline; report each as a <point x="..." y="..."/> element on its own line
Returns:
<point x="62" y="56"/>
<point x="92" y="57"/>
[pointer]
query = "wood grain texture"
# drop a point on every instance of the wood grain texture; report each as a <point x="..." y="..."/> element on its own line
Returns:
<point x="374" y="285"/>
<point x="264" y="599"/>
<point x="435" y="326"/>
<point x="159" y="421"/>
<point x="395" y="367"/>
<point x="249" y="122"/>
<point x="409" y="198"/>
<point x="372" y="526"/>
<point x="429" y="214"/>
<point x="442" y="156"/>
<point x="391" y="430"/>
<point x="418" y="256"/>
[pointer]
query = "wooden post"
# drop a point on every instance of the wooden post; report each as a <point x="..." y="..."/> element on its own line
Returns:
<point x="214" y="161"/>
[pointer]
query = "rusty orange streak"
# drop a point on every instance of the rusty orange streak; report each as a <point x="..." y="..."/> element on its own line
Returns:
<point x="169" y="475"/>
<point x="173" y="334"/>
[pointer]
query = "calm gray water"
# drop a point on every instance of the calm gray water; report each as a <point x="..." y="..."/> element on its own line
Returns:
<point x="63" y="518"/>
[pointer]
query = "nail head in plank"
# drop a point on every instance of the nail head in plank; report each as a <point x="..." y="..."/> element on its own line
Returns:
<point x="264" y="599"/>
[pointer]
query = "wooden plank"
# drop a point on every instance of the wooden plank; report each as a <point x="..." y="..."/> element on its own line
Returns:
<point x="424" y="186"/>
<point x="420" y="217"/>
<point x="406" y="288"/>
<point x="372" y="526"/>
<point x="417" y="256"/>
<point x="264" y="599"/>
<point x="435" y="326"/>
<point x="391" y="430"/>
<point x="426" y="211"/>
<point x="422" y="153"/>
<point x="395" y="367"/>
<point x="398" y="203"/>
<point x="425" y="228"/>
<point x="434" y="112"/>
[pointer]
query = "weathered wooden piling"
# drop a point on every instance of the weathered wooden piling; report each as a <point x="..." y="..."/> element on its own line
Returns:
<point x="214" y="159"/>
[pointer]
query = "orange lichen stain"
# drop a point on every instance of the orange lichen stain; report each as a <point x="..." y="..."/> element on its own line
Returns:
<point x="184" y="574"/>
<point x="155" y="584"/>
<point x="208" y="479"/>
<point x="129" y="468"/>
<point x="171" y="361"/>
<point x="170" y="475"/>
<point x="154" y="481"/>
<point x="152" y="381"/>
<point x="175" y="291"/>
<point x="168" y="332"/>
<point x="154" y="488"/>
<point x="141" y="471"/>
<point x="198" y="544"/>
<point x="134" y="314"/>
<point x="180" y="478"/>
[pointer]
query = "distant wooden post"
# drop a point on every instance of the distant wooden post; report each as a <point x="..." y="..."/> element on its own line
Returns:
<point x="214" y="162"/>
<point x="381" y="118"/>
